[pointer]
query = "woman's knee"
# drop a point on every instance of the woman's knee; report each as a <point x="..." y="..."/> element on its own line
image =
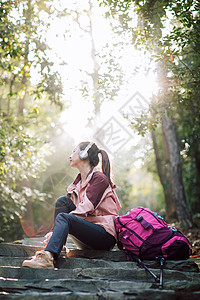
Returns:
<point x="60" y="201"/>
<point x="63" y="217"/>
<point x="63" y="205"/>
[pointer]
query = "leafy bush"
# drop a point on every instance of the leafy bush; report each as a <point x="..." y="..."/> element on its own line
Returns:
<point x="21" y="158"/>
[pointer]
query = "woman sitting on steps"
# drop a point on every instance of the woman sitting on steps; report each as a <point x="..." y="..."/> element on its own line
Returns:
<point x="88" y="211"/>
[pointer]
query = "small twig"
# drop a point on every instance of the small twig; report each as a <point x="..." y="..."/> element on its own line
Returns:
<point x="185" y="65"/>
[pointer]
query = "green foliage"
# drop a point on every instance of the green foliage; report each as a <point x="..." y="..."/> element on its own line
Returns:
<point x="144" y="123"/>
<point x="27" y="82"/>
<point x="20" y="160"/>
<point x="111" y="75"/>
<point x="23" y="53"/>
<point x="171" y="32"/>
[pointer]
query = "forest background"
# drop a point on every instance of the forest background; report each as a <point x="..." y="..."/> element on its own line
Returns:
<point x="122" y="73"/>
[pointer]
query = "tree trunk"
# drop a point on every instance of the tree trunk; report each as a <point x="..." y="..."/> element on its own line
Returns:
<point x="22" y="99"/>
<point x="10" y="93"/>
<point x="27" y="15"/>
<point x="195" y="148"/>
<point x="178" y="193"/>
<point x="164" y="176"/>
<point x="95" y="74"/>
<point x="170" y="205"/>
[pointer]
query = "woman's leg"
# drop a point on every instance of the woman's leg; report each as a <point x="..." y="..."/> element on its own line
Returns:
<point x="88" y="233"/>
<point x="63" y="204"/>
<point x="44" y="259"/>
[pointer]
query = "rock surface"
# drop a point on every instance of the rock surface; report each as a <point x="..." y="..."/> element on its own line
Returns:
<point x="96" y="275"/>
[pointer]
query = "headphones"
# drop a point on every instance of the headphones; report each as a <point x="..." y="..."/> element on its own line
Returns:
<point x="83" y="154"/>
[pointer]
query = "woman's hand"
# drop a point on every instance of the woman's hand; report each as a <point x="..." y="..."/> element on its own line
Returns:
<point x="47" y="238"/>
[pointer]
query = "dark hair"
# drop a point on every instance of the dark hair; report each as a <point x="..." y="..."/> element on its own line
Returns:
<point x="94" y="158"/>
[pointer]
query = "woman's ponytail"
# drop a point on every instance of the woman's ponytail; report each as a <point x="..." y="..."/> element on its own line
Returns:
<point x="105" y="165"/>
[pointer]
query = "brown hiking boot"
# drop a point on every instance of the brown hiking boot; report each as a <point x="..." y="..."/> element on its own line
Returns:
<point x="41" y="261"/>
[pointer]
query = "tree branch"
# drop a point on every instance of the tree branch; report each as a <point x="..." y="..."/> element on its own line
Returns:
<point x="185" y="65"/>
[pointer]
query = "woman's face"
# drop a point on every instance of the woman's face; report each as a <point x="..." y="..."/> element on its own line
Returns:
<point x="74" y="158"/>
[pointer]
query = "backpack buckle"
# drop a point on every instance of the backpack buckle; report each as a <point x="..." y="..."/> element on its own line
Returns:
<point x="143" y="222"/>
<point x="139" y="218"/>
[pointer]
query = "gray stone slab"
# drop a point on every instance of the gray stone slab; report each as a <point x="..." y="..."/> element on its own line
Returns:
<point x="115" y="255"/>
<point x="109" y="295"/>
<point x="18" y="250"/>
<point x="70" y="263"/>
<point x="11" y="261"/>
<point x="179" y="265"/>
<point x="38" y="241"/>
<point x="135" y="273"/>
<point x="185" y="266"/>
<point x="70" y="285"/>
<point x="55" y="296"/>
<point x="98" y="275"/>
<point x="132" y="274"/>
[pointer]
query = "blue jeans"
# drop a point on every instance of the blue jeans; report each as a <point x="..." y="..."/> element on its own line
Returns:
<point x="88" y="234"/>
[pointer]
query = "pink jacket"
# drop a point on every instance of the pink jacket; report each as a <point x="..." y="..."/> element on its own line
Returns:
<point x="96" y="201"/>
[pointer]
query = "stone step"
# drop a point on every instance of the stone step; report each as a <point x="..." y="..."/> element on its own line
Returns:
<point x="133" y="273"/>
<point x="98" y="275"/>
<point x="90" y="285"/>
<point x="67" y="263"/>
<point x="19" y="250"/>
<point x="25" y="251"/>
<point x="109" y="295"/>
<point x="63" y="285"/>
<point x="70" y="263"/>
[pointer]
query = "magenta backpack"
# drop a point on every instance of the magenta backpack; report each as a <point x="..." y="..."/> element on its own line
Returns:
<point x="145" y="234"/>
